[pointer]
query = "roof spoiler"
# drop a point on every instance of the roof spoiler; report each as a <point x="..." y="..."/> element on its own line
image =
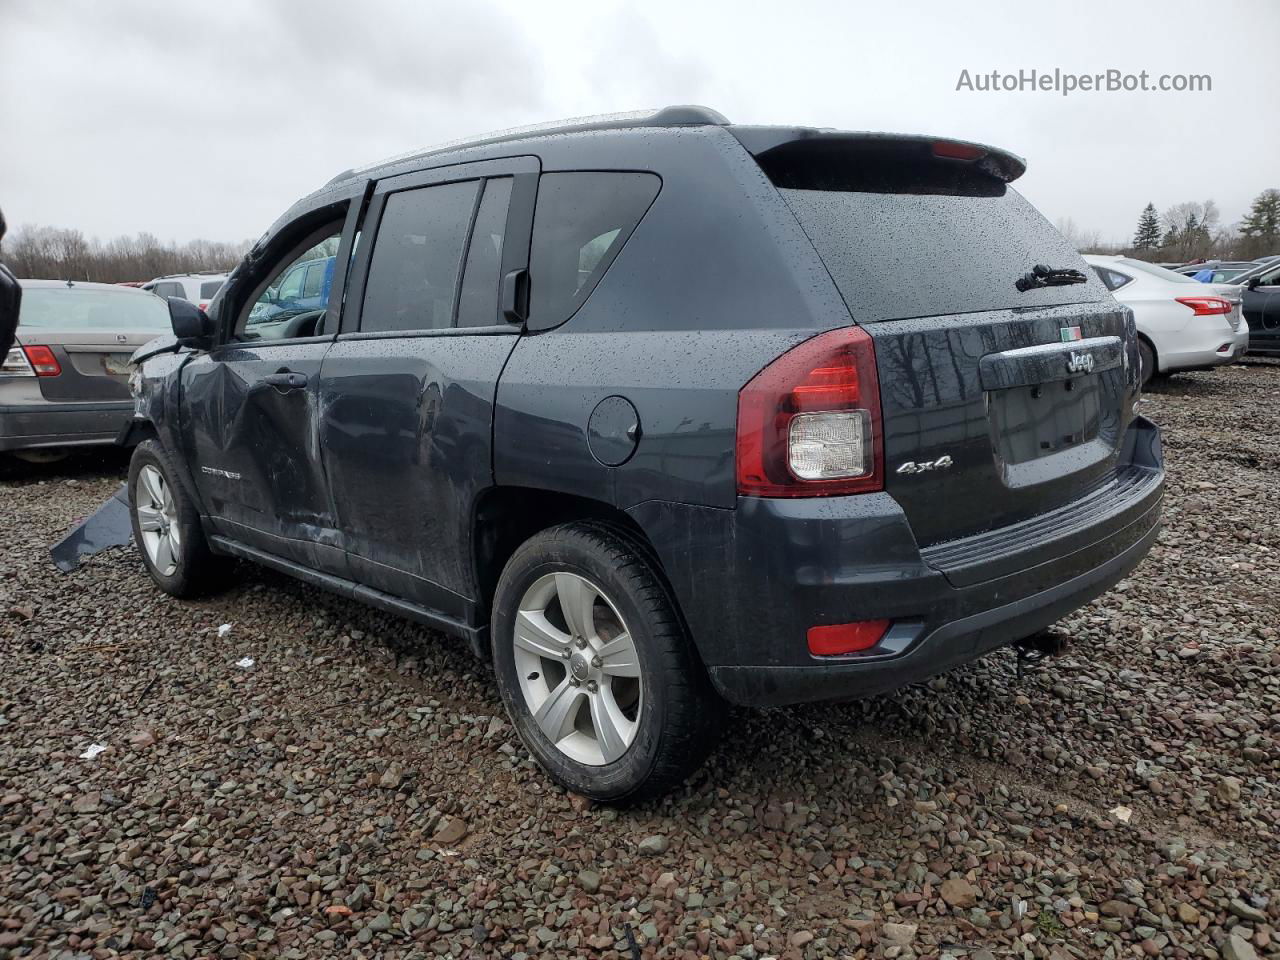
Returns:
<point x="761" y="142"/>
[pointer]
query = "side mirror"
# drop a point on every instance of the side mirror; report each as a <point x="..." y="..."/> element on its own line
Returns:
<point x="1252" y="283"/>
<point x="191" y="325"/>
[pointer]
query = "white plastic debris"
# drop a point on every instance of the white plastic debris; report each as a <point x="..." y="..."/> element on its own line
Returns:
<point x="244" y="663"/>
<point x="1018" y="908"/>
<point x="1122" y="814"/>
<point x="93" y="750"/>
<point x="224" y="629"/>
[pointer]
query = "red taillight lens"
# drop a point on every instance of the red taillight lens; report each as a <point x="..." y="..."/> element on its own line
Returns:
<point x="42" y="361"/>
<point x="838" y="638"/>
<point x="809" y="423"/>
<point x="957" y="151"/>
<point x="1206" y="306"/>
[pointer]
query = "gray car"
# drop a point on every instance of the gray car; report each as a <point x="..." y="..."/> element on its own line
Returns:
<point x="65" y="382"/>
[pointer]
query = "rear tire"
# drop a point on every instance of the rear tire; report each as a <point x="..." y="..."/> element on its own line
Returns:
<point x="166" y="528"/>
<point x="1147" y="367"/>
<point x="595" y="668"/>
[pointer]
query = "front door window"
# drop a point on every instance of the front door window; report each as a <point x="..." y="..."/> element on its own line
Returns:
<point x="293" y="302"/>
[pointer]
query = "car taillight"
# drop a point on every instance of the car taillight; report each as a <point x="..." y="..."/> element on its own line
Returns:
<point x="42" y="361"/>
<point x="1206" y="306"/>
<point x="809" y="422"/>
<point x="205" y="305"/>
<point x="15" y="364"/>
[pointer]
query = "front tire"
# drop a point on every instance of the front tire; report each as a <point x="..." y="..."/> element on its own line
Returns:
<point x="595" y="668"/>
<point x="166" y="527"/>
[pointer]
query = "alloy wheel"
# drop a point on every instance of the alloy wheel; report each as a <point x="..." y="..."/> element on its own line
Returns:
<point x="578" y="668"/>
<point x="158" y="521"/>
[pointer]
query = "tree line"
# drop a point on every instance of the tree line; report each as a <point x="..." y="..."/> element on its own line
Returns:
<point x="56" y="253"/>
<point x="1193" y="231"/>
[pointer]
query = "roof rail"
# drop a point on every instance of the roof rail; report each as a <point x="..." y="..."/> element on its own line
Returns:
<point x="678" y="115"/>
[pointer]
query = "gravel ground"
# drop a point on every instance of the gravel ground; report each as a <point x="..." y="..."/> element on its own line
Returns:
<point x="357" y="790"/>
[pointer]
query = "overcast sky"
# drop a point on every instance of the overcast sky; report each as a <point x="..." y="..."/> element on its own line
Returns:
<point x="207" y="119"/>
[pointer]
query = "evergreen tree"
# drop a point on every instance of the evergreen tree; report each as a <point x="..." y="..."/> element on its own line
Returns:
<point x="1147" y="236"/>
<point x="1261" y="226"/>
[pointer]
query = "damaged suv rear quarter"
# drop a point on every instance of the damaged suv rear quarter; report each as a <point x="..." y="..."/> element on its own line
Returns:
<point x="660" y="411"/>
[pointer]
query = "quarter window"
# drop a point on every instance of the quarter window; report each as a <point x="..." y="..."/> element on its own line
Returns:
<point x="417" y="256"/>
<point x="1113" y="279"/>
<point x="580" y="224"/>
<point x="169" y="289"/>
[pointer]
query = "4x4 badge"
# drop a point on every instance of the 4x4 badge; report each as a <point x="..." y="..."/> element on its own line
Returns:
<point x="912" y="466"/>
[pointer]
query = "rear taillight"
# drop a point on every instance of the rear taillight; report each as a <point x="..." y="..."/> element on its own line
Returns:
<point x="205" y="305"/>
<point x="15" y="364"/>
<point x="809" y="423"/>
<point x="1206" y="306"/>
<point x="42" y="361"/>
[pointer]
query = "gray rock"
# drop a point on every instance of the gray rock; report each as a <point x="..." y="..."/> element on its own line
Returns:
<point x="655" y="845"/>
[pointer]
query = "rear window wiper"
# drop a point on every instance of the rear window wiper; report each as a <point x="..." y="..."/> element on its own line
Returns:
<point x="1043" y="276"/>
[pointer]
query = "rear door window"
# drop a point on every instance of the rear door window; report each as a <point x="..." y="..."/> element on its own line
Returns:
<point x="209" y="289"/>
<point x="581" y="222"/>
<point x="313" y="286"/>
<point x="417" y="258"/>
<point x="478" y="302"/>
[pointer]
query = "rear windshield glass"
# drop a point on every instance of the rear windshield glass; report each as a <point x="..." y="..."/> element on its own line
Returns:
<point x="209" y="288"/>
<point x="71" y="309"/>
<point x="920" y="254"/>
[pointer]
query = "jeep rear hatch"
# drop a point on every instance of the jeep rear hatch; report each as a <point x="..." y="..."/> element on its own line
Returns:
<point x="1000" y="400"/>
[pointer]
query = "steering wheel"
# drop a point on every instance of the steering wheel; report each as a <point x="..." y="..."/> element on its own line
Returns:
<point x="303" y="325"/>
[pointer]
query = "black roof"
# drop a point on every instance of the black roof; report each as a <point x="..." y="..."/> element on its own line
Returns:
<point x="683" y="115"/>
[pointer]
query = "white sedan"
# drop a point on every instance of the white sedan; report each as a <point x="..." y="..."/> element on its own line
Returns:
<point x="1182" y="324"/>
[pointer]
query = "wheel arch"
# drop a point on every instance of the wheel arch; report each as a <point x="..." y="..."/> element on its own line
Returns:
<point x="507" y="516"/>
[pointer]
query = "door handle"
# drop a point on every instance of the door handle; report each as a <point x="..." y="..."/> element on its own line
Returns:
<point x="284" y="380"/>
<point x="515" y="296"/>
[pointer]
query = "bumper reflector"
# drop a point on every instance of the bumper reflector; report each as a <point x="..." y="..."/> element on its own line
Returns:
<point x="838" y="638"/>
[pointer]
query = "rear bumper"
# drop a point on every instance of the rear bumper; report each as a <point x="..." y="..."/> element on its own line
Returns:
<point x="751" y="581"/>
<point x="27" y="425"/>
<point x="1218" y="348"/>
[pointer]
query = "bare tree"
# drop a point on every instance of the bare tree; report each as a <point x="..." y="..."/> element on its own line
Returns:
<point x="55" y="253"/>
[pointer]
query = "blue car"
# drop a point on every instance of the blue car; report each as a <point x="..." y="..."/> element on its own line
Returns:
<point x="303" y="289"/>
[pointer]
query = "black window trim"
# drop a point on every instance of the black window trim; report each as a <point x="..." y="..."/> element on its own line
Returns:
<point x="523" y="170"/>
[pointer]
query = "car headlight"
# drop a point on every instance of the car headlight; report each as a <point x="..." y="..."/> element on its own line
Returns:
<point x="135" y="382"/>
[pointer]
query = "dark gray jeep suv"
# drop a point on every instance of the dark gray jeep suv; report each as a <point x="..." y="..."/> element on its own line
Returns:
<point x="660" y="412"/>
